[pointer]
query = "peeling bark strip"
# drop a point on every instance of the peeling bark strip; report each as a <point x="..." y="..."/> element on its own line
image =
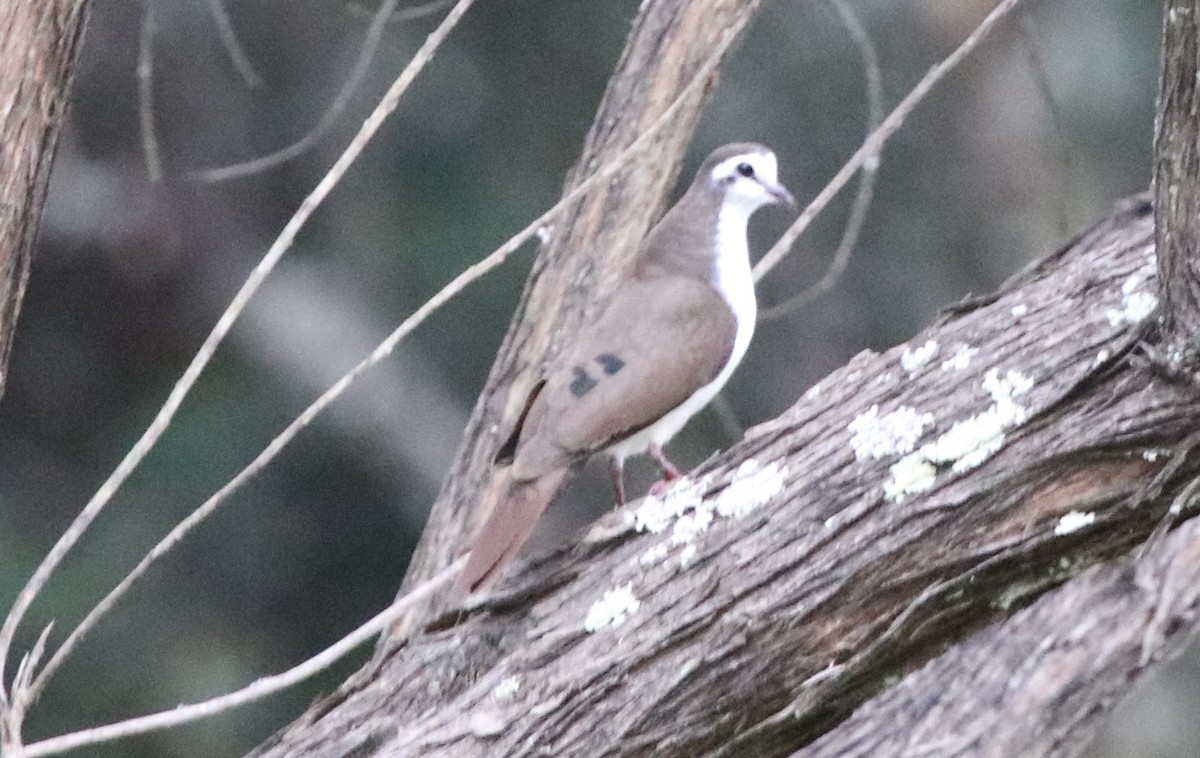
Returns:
<point x="38" y="43"/>
<point x="586" y="250"/>
<point x="749" y="613"/>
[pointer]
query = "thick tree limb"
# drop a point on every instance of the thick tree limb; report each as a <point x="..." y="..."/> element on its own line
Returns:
<point x="38" y="43"/>
<point x="1042" y="682"/>
<point x="798" y="610"/>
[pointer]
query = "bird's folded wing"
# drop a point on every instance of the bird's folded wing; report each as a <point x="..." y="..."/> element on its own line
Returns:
<point x="654" y="345"/>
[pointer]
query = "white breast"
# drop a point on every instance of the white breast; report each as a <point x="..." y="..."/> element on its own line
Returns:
<point x="735" y="283"/>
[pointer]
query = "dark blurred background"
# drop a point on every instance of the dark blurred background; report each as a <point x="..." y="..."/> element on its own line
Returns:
<point x="130" y="275"/>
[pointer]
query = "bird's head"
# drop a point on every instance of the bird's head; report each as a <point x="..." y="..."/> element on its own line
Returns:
<point x="746" y="175"/>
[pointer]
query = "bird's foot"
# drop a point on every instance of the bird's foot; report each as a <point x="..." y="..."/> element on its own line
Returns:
<point x="661" y="486"/>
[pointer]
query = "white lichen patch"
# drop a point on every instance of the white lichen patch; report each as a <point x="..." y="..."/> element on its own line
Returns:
<point x="896" y="433"/>
<point x="751" y="487"/>
<point x="684" y="510"/>
<point x="613" y="609"/>
<point x="692" y="524"/>
<point x="909" y="475"/>
<point x="657" y="513"/>
<point x="961" y="359"/>
<point x="967" y="443"/>
<point x="1137" y="299"/>
<point x="686" y="555"/>
<point x="1073" y="522"/>
<point x="913" y="360"/>
<point x="655" y="555"/>
<point x="507" y="687"/>
<point x="1019" y="310"/>
<point x="972" y="441"/>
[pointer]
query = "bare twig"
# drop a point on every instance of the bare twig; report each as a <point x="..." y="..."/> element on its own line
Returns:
<point x="497" y="257"/>
<point x="366" y="54"/>
<point x="229" y="39"/>
<point x="165" y="414"/>
<point x="873" y="144"/>
<point x="145" y="75"/>
<point x="400" y="15"/>
<point x="256" y="691"/>
<point x="866" y="180"/>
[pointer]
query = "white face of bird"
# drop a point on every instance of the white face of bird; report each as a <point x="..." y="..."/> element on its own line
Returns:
<point x="750" y="181"/>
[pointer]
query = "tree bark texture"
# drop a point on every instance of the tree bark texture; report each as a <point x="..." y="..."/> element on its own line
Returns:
<point x="1040" y="683"/>
<point x="930" y="553"/>
<point x="589" y="246"/>
<point x="38" y="44"/>
<point x="1176" y="169"/>
<point x="811" y="590"/>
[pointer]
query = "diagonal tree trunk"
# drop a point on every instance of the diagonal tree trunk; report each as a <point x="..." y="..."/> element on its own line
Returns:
<point x="38" y="43"/>
<point x="931" y="553"/>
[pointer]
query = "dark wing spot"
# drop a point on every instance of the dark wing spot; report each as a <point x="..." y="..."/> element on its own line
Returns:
<point x="582" y="383"/>
<point x="610" y="363"/>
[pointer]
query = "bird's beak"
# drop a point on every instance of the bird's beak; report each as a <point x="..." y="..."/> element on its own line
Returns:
<point x="780" y="193"/>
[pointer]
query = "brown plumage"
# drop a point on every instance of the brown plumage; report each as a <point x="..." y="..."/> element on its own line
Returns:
<point x="667" y="332"/>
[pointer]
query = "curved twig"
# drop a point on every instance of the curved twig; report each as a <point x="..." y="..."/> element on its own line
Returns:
<point x="866" y="180"/>
<point x="167" y="412"/>
<point x="874" y="143"/>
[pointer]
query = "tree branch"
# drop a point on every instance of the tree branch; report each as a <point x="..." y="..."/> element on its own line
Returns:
<point x="1177" y="180"/>
<point x="38" y="44"/>
<point x="899" y="507"/>
<point x="1043" y="682"/>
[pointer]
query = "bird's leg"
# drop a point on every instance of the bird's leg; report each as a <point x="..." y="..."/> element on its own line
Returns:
<point x="616" y="470"/>
<point x="670" y="472"/>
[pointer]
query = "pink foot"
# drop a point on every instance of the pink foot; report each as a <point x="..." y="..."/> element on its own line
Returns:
<point x="661" y="486"/>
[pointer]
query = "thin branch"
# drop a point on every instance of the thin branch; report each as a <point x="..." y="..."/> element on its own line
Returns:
<point x="497" y="257"/>
<point x="873" y="144"/>
<point x="866" y="180"/>
<point x="229" y="39"/>
<point x="366" y="54"/>
<point x="145" y="75"/>
<point x="163" y="419"/>
<point x="400" y="15"/>
<point x="256" y="691"/>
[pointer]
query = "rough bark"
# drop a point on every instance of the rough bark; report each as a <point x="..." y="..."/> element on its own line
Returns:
<point x="1041" y="682"/>
<point x="871" y="549"/>
<point x="38" y="44"/>
<point x="760" y="633"/>
<point x="1176" y="170"/>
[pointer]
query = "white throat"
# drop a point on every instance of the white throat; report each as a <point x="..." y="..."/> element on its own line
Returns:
<point x="732" y="276"/>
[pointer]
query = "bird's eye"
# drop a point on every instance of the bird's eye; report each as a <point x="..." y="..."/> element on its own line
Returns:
<point x="745" y="169"/>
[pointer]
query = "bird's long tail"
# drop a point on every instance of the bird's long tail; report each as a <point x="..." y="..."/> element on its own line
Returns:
<point x="507" y="527"/>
